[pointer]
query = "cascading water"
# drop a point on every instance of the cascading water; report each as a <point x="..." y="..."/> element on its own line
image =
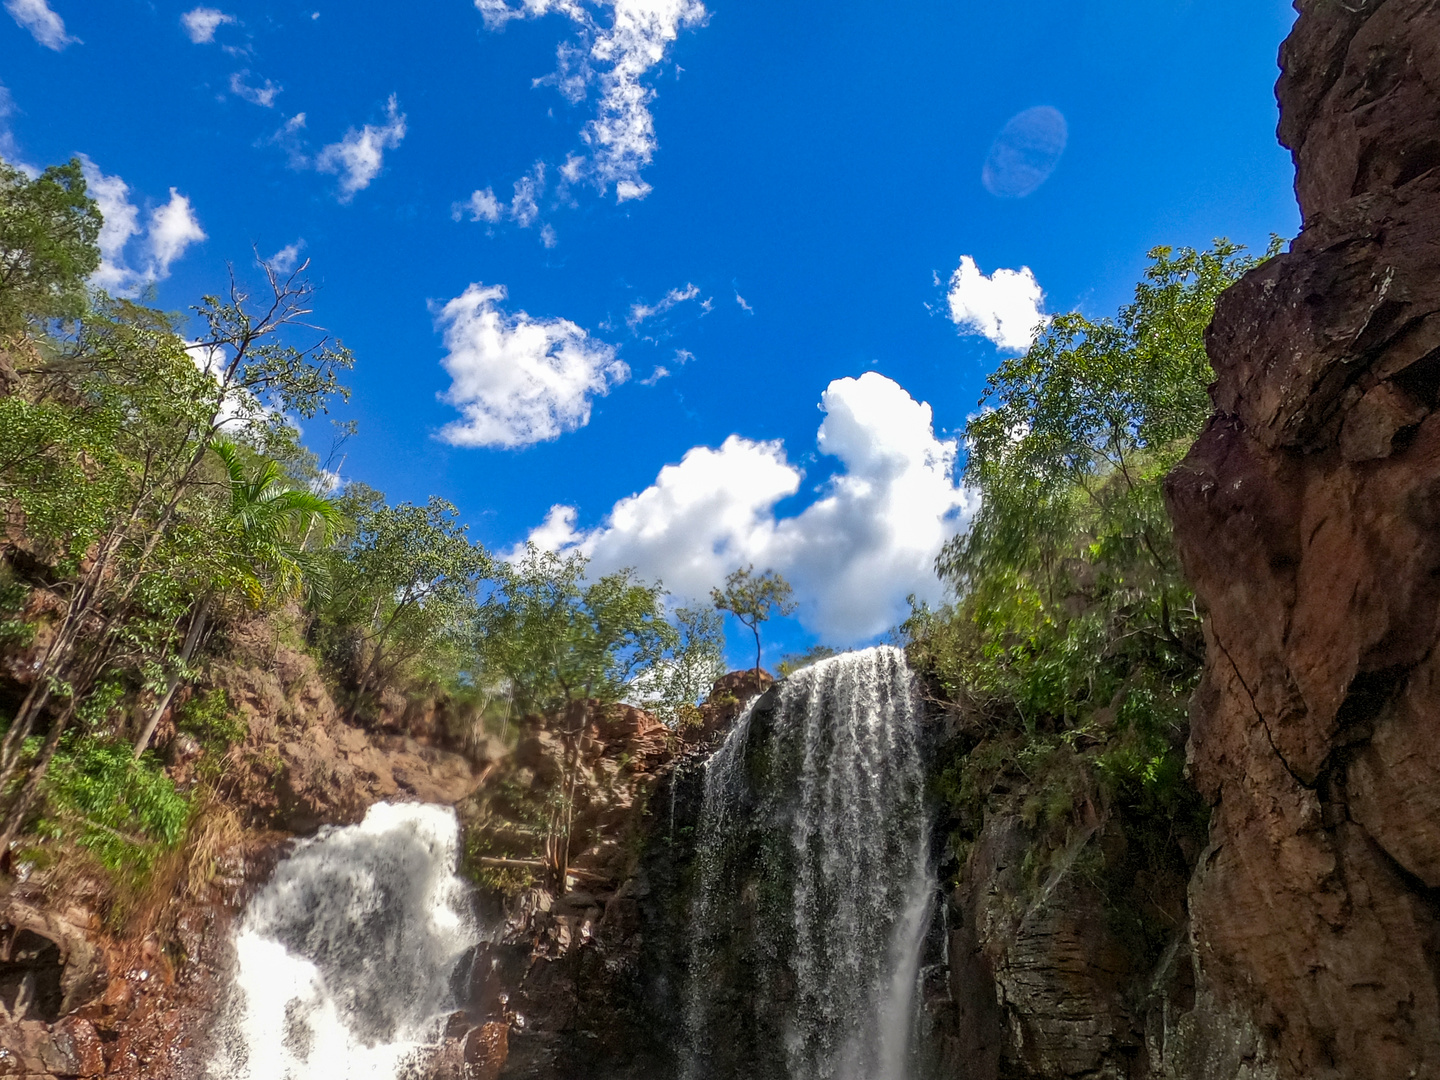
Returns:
<point x="814" y="893"/>
<point x="345" y="959"/>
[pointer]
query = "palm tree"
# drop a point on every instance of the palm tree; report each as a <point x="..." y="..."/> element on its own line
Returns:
<point x="266" y="554"/>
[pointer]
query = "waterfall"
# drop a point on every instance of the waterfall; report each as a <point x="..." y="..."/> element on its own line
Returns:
<point x="813" y="891"/>
<point x="344" y="961"/>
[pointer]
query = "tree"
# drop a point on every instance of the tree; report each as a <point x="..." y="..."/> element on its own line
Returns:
<point x="565" y="644"/>
<point x="263" y="553"/>
<point x="1075" y="434"/>
<point x="49" y="230"/>
<point x="559" y="639"/>
<point x="1074" y="642"/>
<point x="753" y="599"/>
<point x="404" y="588"/>
<point x="698" y="660"/>
<point x="103" y="456"/>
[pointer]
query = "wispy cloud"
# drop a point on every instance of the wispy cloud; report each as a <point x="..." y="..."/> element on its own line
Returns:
<point x="1006" y="307"/>
<point x="44" y="25"/>
<point x="614" y="60"/>
<point x="360" y="155"/>
<point x="661" y="371"/>
<point x="170" y="229"/>
<point x="523" y="209"/>
<point x="288" y="257"/>
<point x="202" y="22"/>
<point x="9" y="150"/>
<point x="639" y="313"/>
<point x="481" y="206"/>
<point x="263" y="95"/>
<point x="519" y="380"/>
<point x="525" y="206"/>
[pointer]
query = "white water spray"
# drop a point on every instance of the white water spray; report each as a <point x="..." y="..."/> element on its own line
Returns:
<point x="345" y="959"/>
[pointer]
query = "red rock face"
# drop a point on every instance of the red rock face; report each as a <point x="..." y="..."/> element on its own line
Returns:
<point x="1308" y="517"/>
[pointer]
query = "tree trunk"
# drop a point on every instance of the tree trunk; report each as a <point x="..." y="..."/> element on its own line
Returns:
<point x="192" y="638"/>
<point x="15" y="816"/>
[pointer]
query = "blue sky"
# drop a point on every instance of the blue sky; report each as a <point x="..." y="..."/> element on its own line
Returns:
<point x="625" y="173"/>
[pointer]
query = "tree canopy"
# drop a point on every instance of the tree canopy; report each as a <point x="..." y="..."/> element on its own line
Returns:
<point x="49" y="233"/>
<point x="1074" y="642"/>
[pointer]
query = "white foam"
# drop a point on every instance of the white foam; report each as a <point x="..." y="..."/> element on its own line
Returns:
<point x="344" y="961"/>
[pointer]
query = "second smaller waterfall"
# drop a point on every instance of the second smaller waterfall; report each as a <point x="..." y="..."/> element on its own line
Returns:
<point x="345" y="959"/>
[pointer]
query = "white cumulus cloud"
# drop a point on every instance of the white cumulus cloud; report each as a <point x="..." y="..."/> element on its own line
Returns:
<point x="615" y="60"/>
<point x="867" y="541"/>
<point x="1006" y="307"/>
<point x="360" y="155"/>
<point x="173" y="228"/>
<point x="518" y="380"/>
<point x="202" y="22"/>
<point x="44" y="25"/>
<point x="169" y="230"/>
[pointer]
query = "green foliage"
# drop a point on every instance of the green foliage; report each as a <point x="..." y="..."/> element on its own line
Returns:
<point x="404" y="587"/>
<point x="1074" y="643"/>
<point x="49" y="229"/>
<point x="127" y="812"/>
<point x="258" y="374"/>
<point x="698" y="659"/>
<point x="498" y="880"/>
<point x="15" y="631"/>
<point x="272" y="531"/>
<point x="210" y="719"/>
<point x="557" y="638"/>
<point x="135" y="529"/>
<point x="753" y="598"/>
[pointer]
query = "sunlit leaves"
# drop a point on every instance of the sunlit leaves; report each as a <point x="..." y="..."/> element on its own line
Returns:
<point x="49" y="230"/>
<point x="1073" y="626"/>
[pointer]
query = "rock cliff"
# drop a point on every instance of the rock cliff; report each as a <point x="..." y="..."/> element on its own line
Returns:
<point x="1308" y="516"/>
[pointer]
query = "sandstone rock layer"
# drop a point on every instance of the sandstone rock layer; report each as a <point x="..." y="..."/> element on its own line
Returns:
<point x="1308" y="517"/>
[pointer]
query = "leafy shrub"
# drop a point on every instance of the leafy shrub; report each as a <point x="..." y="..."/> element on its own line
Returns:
<point x="126" y="811"/>
<point x="209" y="718"/>
<point x="15" y="632"/>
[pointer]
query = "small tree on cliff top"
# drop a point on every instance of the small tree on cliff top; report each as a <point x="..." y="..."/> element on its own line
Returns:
<point x="753" y="598"/>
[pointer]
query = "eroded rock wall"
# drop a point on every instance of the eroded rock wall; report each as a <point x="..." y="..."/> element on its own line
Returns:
<point x="1308" y="517"/>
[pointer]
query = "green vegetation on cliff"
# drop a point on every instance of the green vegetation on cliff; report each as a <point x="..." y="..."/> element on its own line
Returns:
<point x="1071" y="652"/>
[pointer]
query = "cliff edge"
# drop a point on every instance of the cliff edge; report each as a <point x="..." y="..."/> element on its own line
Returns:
<point x="1308" y="518"/>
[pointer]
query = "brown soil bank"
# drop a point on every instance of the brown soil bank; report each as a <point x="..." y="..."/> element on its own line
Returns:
<point x="1308" y="515"/>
